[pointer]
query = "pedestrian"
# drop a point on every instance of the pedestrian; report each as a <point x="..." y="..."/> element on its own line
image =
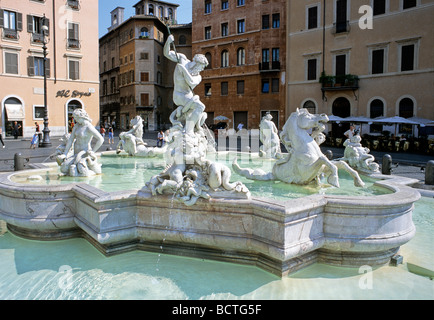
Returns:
<point x="17" y="128"/>
<point x="35" y="137"/>
<point x="160" y="139"/>
<point x="110" y="135"/>
<point x="1" y="137"/>
<point x="240" y="126"/>
<point x="350" y="133"/>
<point x="102" y="131"/>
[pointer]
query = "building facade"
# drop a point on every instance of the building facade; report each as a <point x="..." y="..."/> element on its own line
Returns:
<point x="136" y="78"/>
<point x="361" y="58"/>
<point x="71" y="65"/>
<point x="245" y="44"/>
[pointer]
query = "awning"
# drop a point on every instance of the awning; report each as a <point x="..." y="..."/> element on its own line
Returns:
<point x="15" y="112"/>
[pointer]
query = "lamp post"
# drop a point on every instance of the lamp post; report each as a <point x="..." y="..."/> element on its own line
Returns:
<point x="46" y="139"/>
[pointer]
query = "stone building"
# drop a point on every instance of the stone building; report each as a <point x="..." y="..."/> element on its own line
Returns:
<point x="371" y="67"/>
<point x="135" y="77"/>
<point x="245" y="43"/>
<point x="71" y="65"/>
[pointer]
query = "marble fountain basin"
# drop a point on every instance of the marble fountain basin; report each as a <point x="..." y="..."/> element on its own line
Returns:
<point x="280" y="235"/>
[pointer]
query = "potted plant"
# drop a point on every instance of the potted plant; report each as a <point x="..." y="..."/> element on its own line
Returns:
<point x="327" y="81"/>
<point x="351" y="80"/>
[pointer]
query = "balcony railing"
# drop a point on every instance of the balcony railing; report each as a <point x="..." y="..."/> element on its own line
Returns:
<point x="73" y="44"/>
<point x="269" y="66"/>
<point x="10" y="34"/>
<point x="74" y="4"/>
<point x="37" y="38"/>
<point x="343" y="82"/>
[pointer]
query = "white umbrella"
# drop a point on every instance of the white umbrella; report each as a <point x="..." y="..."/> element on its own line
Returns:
<point x="394" y="120"/>
<point x="333" y="118"/>
<point x="221" y="118"/>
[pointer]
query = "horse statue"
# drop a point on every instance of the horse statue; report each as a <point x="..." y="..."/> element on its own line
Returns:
<point x="304" y="163"/>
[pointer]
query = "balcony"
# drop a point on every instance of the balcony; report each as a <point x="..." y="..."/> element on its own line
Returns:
<point x="73" y="44"/>
<point x="10" y="34"/>
<point x="37" y="38"/>
<point x="339" y="83"/>
<point x="273" y="66"/>
<point x="73" y="4"/>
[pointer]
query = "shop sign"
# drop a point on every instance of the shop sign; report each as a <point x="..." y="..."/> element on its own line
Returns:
<point x="73" y="94"/>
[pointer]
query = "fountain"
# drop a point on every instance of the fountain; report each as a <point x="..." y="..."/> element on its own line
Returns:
<point x="190" y="207"/>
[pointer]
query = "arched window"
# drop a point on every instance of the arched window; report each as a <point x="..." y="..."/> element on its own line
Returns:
<point x="151" y="9"/>
<point x="182" y="39"/>
<point x="225" y="59"/>
<point x="170" y="13"/>
<point x="209" y="58"/>
<point x="406" y="107"/>
<point x="376" y="109"/>
<point x="406" y="110"/>
<point x="310" y="106"/>
<point x="241" y="57"/>
<point x="160" y="12"/>
<point x="144" y="32"/>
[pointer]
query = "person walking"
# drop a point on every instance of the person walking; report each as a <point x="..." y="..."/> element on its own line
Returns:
<point x="110" y="135"/>
<point x="1" y="137"/>
<point x="35" y="137"/>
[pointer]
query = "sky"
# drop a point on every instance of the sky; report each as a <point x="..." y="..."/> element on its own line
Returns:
<point x="106" y="6"/>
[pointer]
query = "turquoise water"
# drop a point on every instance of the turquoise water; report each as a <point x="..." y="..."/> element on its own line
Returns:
<point x="74" y="269"/>
<point x="128" y="173"/>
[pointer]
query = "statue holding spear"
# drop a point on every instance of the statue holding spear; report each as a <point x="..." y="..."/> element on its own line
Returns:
<point x="186" y="78"/>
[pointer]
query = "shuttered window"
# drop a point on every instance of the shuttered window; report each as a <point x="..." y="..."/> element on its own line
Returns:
<point x="11" y="63"/>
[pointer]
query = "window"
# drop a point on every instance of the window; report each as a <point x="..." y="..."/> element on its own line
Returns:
<point x="113" y="85"/>
<point x="377" y="61"/>
<point x="144" y="32"/>
<point x="11" y="22"/>
<point x="74" y="70"/>
<point x="312" y="17"/>
<point x="225" y="4"/>
<point x="207" y="89"/>
<point x="407" y="57"/>
<point x="406" y="4"/>
<point x="34" y="26"/>
<point x="207" y="33"/>
<point x="241" y="2"/>
<point x="241" y="26"/>
<point x="182" y="40"/>
<point x="225" y="59"/>
<point x="341" y="16"/>
<point x="379" y="7"/>
<point x="35" y="66"/>
<point x="241" y="57"/>
<point x="240" y="87"/>
<point x="310" y="106"/>
<point x="151" y="9"/>
<point x="275" y="54"/>
<point x="74" y="4"/>
<point x="376" y="109"/>
<point x="208" y="6"/>
<point x="275" y="85"/>
<point x="38" y="112"/>
<point x="144" y="76"/>
<point x="265" y="86"/>
<point x="73" y="36"/>
<point x="341" y="64"/>
<point x="225" y="29"/>
<point x="276" y="20"/>
<point x="406" y="109"/>
<point x="208" y="57"/>
<point x="144" y="99"/>
<point x="265" y="22"/>
<point x="11" y="62"/>
<point x="224" y="88"/>
<point x="312" y="69"/>
<point x="265" y="55"/>
<point x="143" y="56"/>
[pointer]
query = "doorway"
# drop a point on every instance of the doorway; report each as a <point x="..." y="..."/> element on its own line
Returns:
<point x="341" y="108"/>
<point x="240" y="117"/>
